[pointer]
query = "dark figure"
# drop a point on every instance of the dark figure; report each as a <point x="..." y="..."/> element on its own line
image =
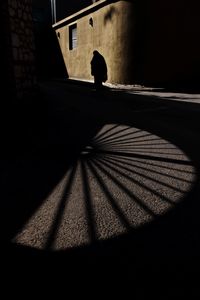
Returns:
<point x="98" y="69"/>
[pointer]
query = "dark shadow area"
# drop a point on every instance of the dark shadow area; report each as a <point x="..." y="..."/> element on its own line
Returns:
<point x="64" y="9"/>
<point x="138" y="97"/>
<point x="191" y="87"/>
<point x="7" y="83"/>
<point x="41" y="145"/>
<point x="49" y="59"/>
<point x="166" y="54"/>
<point x="109" y="15"/>
<point x="55" y="142"/>
<point x="55" y="133"/>
<point x="172" y="104"/>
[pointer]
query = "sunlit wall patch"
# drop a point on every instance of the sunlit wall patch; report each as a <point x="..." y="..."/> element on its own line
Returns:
<point x="124" y="178"/>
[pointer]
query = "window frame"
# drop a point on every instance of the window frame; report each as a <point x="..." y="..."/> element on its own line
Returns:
<point x="73" y="36"/>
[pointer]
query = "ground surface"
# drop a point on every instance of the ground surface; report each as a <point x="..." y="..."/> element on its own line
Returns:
<point x="107" y="182"/>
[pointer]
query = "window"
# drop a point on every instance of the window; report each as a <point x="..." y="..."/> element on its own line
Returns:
<point x="72" y="36"/>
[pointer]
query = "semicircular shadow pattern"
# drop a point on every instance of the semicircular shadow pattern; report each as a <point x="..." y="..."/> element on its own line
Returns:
<point x="125" y="178"/>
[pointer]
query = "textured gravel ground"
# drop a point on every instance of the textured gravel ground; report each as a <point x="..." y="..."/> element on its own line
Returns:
<point x="124" y="178"/>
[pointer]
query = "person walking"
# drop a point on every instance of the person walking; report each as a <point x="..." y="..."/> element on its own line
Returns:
<point x="98" y="69"/>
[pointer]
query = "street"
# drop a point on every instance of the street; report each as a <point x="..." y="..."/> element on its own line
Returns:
<point x="107" y="178"/>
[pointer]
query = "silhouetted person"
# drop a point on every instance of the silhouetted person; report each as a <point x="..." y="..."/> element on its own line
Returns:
<point x="98" y="69"/>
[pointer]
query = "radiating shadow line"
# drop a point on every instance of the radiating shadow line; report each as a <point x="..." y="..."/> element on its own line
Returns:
<point x="138" y="144"/>
<point x="117" y="138"/>
<point x="120" y="150"/>
<point x="118" y="135"/>
<point x="124" y="221"/>
<point x="145" y="176"/>
<point x="148" y="139"/>
<point x="146" y="169"/>
<point x="129" y="140"/>
<point x="133" y="143"/>
<point x="146" y="157"/>
<point x="137" y="139"/>
<point x="135" y="147"/>
<point x="155" y="148"/>
<point x="148" y="163"/>
<point x="125" y="190"/>
<point x="60" y="211"/>
<point x="162" y="197"/>
<point x="105" y="132"/>
<point x="115" y="133"/>
<point x="88" y="204"/>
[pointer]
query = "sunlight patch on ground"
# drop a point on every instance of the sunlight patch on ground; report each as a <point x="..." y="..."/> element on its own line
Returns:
<point x="123" y="179"/>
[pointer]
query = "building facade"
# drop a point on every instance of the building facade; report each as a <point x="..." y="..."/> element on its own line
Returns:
<point x="143" y="42"/>
<point x="17" y="47"/>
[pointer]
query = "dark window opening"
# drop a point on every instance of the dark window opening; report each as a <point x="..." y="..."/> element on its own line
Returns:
<point x="73" y="37"/>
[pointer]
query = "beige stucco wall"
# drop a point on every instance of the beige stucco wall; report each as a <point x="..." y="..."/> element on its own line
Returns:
<point x="108" y="35"/>
<point x="142" y="41"/>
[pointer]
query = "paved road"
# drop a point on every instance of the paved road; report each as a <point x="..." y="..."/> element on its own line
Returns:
<point x="104" y="175"/>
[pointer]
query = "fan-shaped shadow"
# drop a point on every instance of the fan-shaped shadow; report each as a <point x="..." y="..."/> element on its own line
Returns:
<point x="121" y="181"/>
<point x="32" y="173"/>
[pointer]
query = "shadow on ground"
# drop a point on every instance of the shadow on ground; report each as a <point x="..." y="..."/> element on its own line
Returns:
<point x="43" y="140"/>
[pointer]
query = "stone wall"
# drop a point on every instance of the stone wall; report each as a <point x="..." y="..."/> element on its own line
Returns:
<point x="18" y="46"/>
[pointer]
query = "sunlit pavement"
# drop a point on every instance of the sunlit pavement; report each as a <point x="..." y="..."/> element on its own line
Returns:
<point x="123" y="178"/>
<point x="109" y="175"/>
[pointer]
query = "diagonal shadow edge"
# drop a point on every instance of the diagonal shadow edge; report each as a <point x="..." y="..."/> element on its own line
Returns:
<point x="88" y="203"/>
<point x="141" y="174"/>
<point x="124" y="221"/>
<point x="146" y="157"/>
<point x="131" y="145"/>
<point x="144" y="151"/>
<point x="136" y="182"/>
<point x="124" y="188"/>
<point x="116" y="138"/>
<point x="136" y="139"/>
<point x="98" y="136"/>
<point x="144" y="143"/>
<point x="60" y="211"/>
<point x="126" y="160"/>
<point x="114" y="135"/>
<point x="129" y="163"/>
